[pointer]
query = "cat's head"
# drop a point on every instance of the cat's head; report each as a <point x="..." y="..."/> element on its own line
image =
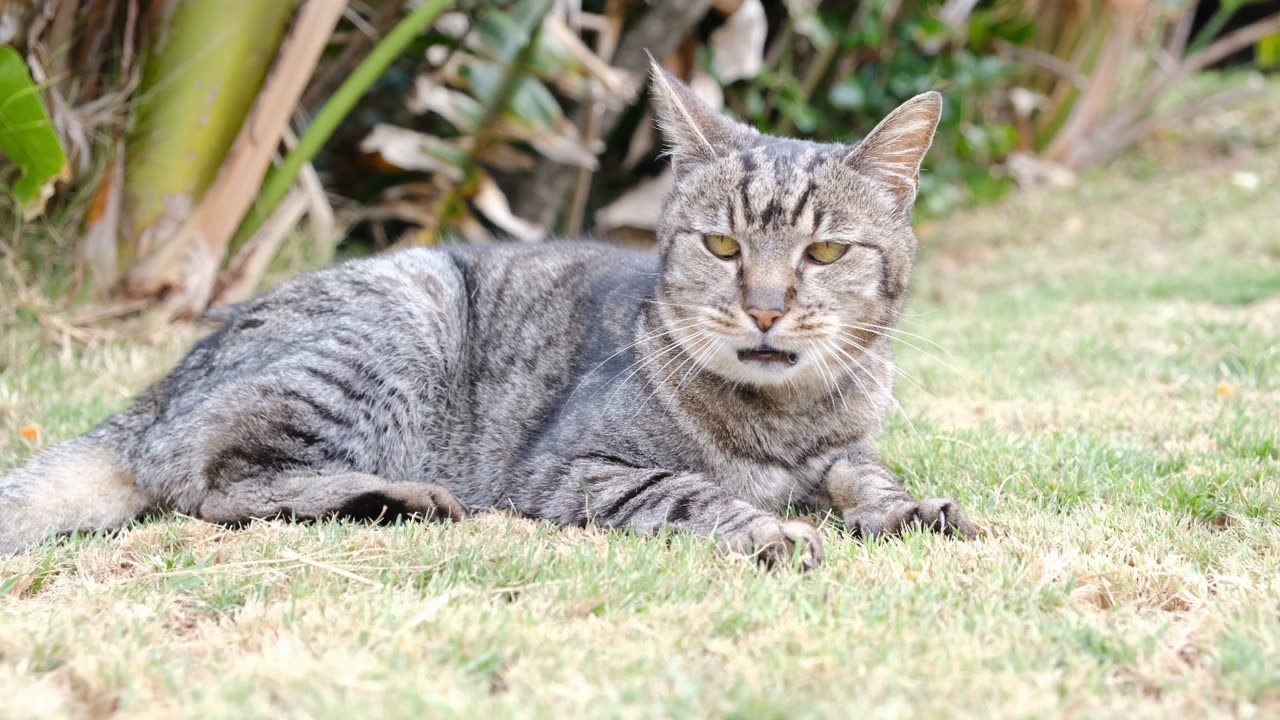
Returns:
<point x="783" y="260"/>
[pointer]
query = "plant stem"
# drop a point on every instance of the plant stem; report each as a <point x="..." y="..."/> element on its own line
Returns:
<point x="322" y="127"/>
<point x="516" y="71"/>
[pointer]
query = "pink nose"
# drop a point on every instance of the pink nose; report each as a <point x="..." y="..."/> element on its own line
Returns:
<point x="764" y="318"/>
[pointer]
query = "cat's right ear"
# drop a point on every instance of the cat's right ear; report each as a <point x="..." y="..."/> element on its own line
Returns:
<point x="695" y="132"/>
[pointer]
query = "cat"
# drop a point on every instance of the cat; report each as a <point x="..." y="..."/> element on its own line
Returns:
<point x="745" y="367"/>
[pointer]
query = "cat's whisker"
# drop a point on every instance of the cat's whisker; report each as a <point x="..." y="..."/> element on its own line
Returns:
<point x="847" y="371"/>
<point x="900" y="331"/>
<point x="637" y="366"/>
<point x="634" y="367"/>
<point x="697" y="345"/>
<point x="703" y="340"/>
<point x="667" y="330"/>
<point x="893" y="366"/>
<point x="835" y="383"/>
<point x="886" y="391"/>
<point x="829" y="380"/>
<point x="908" y="343"/>
<point x="701" y="360"/>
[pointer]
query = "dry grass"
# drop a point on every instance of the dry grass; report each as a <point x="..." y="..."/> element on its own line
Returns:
<point x="1108" y="404"/>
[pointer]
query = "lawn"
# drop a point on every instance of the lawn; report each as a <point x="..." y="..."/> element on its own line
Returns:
<point x="1093" y="372"/>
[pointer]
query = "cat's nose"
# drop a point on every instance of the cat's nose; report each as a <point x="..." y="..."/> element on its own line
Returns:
<point x="764" y="318"/>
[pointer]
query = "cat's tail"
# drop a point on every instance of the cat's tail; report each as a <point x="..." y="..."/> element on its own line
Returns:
<point x="81" y="484"/>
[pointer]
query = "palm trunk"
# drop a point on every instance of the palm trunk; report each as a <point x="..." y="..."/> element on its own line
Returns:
<point x="205" y="64"/>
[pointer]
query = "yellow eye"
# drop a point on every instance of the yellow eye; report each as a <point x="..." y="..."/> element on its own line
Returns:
<point x="825" y="253"/>
<point x="722" y="246"/>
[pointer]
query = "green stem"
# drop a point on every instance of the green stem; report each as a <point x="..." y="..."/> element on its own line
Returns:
<point x="516" y="71"/>
<point x="1213" y="26"/>
<point x="510" y="82"/>
<point x="322" y="127"/>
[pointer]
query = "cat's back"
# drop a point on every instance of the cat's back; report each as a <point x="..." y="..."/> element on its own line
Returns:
<point x="526" y="283"/>
<point x="538" y="317"/>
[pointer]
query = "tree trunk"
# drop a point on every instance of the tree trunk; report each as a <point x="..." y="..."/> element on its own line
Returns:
<point x="206" y="61"/>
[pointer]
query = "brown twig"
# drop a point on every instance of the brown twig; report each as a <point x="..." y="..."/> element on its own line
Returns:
<point x="1043" y="60"/>
<point x="606" y="44"/>
<point x="1129" y="121"/>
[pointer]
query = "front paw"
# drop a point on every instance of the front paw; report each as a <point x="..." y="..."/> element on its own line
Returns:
<point x="776" y="543"/>
<point x="938" y="514"/>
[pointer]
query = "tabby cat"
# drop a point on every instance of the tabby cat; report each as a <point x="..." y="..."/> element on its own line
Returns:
<point x="744" y="368"/>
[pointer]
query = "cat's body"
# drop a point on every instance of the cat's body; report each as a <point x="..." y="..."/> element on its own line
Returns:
<point x="571" y="381"/>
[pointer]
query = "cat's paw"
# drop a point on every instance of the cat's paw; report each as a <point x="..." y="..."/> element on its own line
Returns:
<point x="778" y="543"/>
<point x="937" y="514"/>
<point x="409" y="500"/>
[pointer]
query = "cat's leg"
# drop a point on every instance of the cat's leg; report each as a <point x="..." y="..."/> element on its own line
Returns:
<point x="312" y="496"/>
<point x="872" y="502"/>
<point x="617" y="494"/>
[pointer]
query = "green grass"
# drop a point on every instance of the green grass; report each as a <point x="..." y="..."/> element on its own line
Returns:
<point x="1107" y="405"/>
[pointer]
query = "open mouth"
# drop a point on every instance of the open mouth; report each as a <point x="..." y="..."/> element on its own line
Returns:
<point x="768" y="356"/>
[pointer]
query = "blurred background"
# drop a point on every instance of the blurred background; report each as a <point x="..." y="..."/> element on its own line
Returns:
<point x="163" y="156"/>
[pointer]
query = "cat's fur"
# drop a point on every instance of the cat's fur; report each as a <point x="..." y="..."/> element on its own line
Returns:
<point x="570" y="381"/>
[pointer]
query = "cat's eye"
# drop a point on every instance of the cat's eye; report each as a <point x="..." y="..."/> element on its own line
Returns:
<point x="825" y="253"/>
<point x="722" y="246"/>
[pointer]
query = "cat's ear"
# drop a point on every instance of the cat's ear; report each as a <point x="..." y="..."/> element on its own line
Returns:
<point x="893" y="151"/>
<point x="695" y="132"/>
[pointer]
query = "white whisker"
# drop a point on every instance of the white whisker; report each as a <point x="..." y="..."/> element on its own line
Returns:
<point x="893" y="366"/>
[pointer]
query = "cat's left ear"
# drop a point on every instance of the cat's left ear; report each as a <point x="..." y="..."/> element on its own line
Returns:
<point x="893" y="151"/>
<point x="695" y="132"/>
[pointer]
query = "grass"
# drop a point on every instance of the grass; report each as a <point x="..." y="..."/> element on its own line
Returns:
<point x="1108" y="406"/>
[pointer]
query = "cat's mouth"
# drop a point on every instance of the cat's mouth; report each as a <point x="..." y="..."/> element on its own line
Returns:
<point x="768" y="356"/>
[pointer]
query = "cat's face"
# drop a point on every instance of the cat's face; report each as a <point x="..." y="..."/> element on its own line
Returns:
<point x="783" y="260"/>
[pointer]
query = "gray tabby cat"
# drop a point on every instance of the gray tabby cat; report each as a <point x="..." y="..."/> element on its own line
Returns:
<point x="745" y="369"/>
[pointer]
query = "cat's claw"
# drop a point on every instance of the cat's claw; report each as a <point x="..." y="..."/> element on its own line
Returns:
<point x="778" y="543"/>
<point x="937" y="514"/>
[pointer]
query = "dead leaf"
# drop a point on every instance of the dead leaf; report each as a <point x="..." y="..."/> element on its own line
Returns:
<point x="642" y="140"/>
<point x="461" y="110"/>
<point x="562" y="146"/>
<point x="617" y="83"/>
<point x="185" y="268"/>
<point x="490" y="201"/>
<point x="638" y="207"/>
<point x="1030" y="171"/>
<point x="410" y="150"/>
<point x="102" y="222"/>
<point x="1246" y="181"/>
<point x="737" y="46"/>
<point x="706" y="87"/>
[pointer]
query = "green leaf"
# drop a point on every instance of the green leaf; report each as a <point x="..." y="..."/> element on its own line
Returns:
<point x="532" y="102"/>
<point x="27" y="135"/>
<point x="1267" y="55"/>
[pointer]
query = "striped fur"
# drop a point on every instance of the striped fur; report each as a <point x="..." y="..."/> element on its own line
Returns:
<point x="574" y="381"/>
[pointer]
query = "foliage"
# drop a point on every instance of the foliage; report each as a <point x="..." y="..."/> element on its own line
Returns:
<point x="879" y="55"/>
<point x="424" y="122"/>
<point x="26" y="135"/>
